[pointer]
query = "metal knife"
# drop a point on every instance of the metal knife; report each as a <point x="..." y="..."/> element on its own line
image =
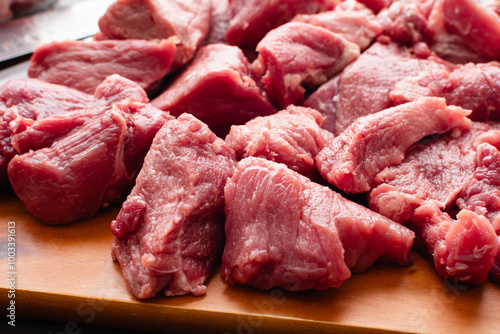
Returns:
<point x="67" y="19"/>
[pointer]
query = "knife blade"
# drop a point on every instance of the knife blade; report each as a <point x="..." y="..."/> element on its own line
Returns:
<point x="67" y="19"/>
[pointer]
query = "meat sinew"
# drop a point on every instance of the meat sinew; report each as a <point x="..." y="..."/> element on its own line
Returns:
<point x="352" y="160"/>
<point x="83" y="65"/>
<point x="189" y="20"/>
<point x="169" y="233"/>
<point x="308" y="235"/>
<point x="89" y="168"/>
<point x="218" y="87"/>
<point x="292" y="136"/>
<point x="298" y="55"/>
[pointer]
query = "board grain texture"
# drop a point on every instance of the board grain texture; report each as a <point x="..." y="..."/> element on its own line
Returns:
<point x="65" y="273"/>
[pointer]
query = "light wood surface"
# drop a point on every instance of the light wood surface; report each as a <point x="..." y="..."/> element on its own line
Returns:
<point x="66" y="274"/>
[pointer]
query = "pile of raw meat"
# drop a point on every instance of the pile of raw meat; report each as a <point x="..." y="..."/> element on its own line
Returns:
<point x="234" y="133"/>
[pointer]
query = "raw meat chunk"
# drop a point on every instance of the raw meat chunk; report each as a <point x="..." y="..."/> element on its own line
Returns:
<point x="84" y="65"/>
<point x="481" y="194"/>
<point x="169" y="232"/>
<point x="377" y="5"/>
<point x="363" y="87"/>
<point x="356" y="22"/>
<point x="284" y="230"/>
<point x="465" y="31"/>
<point x="462" y="249"/>
<point x="88" y="168"/>
<point x="32" y="99"/>
<point x="253" y="19"/>
<point x="472" y="86"/>
<point x="218" y="88"/>
<point x="189" y="20"/>
<point x="430" y="172"/>
<point x="297" y="56"/>
<point x="352" y="160"/>
<point x="406" y="21"/>
<point x="28" y="135"/>
<point x="293" y="137"/>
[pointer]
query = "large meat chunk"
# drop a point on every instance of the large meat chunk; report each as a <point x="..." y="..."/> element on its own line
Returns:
<point x="364" y="86"/>
<point x="32" y="135"/>
<point x="83" y="65"/>
<point x="284" y="230"/>
<point x="472" y="86"/>
<point x="189" y="20"/>
<point x="350" y="18"/>
<point x="88" y="168"/>
<point x="435" y="169"/>
<point x="218" y="88"/>
<point x="352" y="160"/>
<point x="296" y="56"/>
<point x="465" y="31"/>
<point x="32" y="99"/>
<point x="253" y="19"/>
<point x="169" y="232"/>
<point x="293" y="137"/>
<point x="463" y="249"/>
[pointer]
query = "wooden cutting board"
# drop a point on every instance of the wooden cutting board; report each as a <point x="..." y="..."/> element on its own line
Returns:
<point x="66" y="274"/>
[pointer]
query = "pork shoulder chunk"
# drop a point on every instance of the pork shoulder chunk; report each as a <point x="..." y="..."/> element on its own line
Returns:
<point x="430" y="172"/>
<point x="32" y="135"/>
<point x="350" y="18"/>
<point x="253" y="19"/>
<point x="481" y="194"/>
<point x="83" y="65"/>
<point x="352" y="160"/>
<point x="472" y="86"/>
<point x="169" y="233"/>
<point x="298" y="56"/>
<point x="284" y="230"/>
<point x="364" y="86"/>
<point x="219" y="88"/>
<point x="89" y="168"/>
<point x="463" y="249"/>
<point x="189" y="20"/>
<point x="30" y="100"/>
<point x="292" y="136"/>
<point x="465" y="31"/>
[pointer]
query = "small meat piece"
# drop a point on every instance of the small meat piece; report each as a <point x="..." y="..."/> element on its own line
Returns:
<point x="219" y="21"/>
<point x="462" y="249"/>
<point x="169" y="232"/>
<point x="5" y="11"/>
<point x="481" y="194"/>
<point x="88" y="168"/>
<point x="83" y="65"/>
<point x="293" y="137"/>
<point x="218" y="88"/>
<point x="364" y="86"/>
<point x="377" y="5"/>
<point x="284" y="230"/>
<point x="352" y="160"/>
<point x="253" y="19"/>
<point x="356" y="22"/>
<point x="465" y="31"/>
<point x="326" y="99"/>
<point x="31" y="99"/>
<point x="189" y="20"/>
<point x="28" y="135"/>
<point x="298" y="56"/>
<point x="472" y="86"/>
<point x="406" y="21"/>
<point x="435" y="169"/>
